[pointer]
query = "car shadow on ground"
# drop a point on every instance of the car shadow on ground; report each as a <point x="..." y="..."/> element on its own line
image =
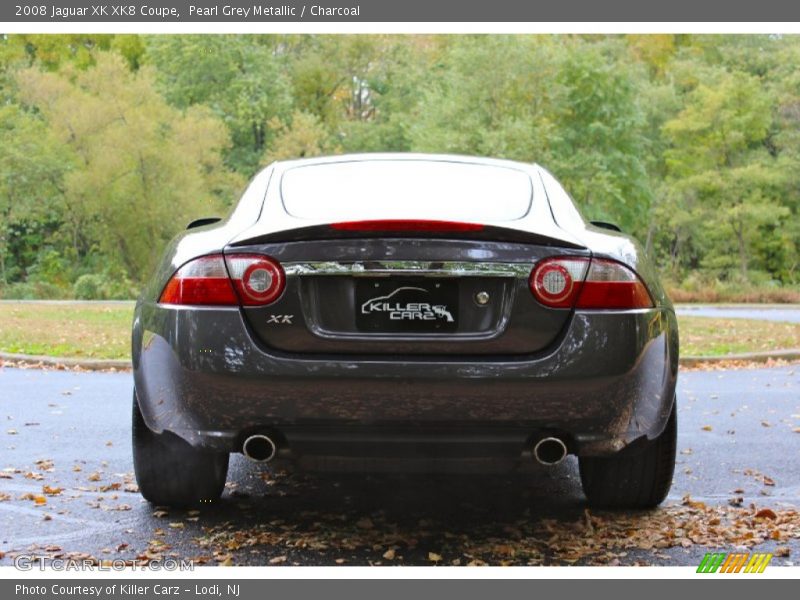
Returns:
<point x="275" y="514"/>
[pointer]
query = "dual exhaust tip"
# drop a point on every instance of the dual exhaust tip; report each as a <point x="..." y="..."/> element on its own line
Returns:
<point x="547" y="451"/>
<point x="259" y="448"/>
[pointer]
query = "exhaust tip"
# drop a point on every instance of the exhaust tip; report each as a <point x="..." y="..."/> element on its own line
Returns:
<point x="550" y="451"/>
<point x="259" y="448"/>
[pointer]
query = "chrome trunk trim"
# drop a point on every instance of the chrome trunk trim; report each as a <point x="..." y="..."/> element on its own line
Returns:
<point x="386" y="268"/>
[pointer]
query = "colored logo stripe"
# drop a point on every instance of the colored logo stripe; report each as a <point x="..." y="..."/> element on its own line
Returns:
<point x="734" y="563"/>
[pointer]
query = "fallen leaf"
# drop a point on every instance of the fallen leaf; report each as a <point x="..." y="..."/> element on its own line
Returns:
<point x="687" y="501"/>
<point x="706" y="428"/>
<point x="782" y="551"/>
<point x="766" y="513"/>
<point x="51" y="491"/>
<point x="177" y="525"/>
<point x="94" y="476"/>
<point x="277" y="560"/>
<point x="389" y="554"/>
<point x="365" y="523"/>
<point x="433" y="557"/>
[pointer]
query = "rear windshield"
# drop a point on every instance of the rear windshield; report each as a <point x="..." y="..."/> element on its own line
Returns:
<point x="406" y="189"/>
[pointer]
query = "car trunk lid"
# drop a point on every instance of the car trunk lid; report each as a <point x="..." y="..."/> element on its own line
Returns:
<point x="372" y="295"/>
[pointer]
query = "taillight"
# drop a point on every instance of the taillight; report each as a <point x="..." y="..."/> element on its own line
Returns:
<point x="254" y="280"/>
<point x="203" y="281"/>
<point x="406" y="225"/>
<point x="610" y="284"/>
<point x="556" y="282"/>
<point x="258" y="279"/>
<point x="587" y="284"/>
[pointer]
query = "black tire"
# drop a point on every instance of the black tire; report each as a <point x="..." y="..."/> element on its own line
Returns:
<point x="637" y="480"/>
<point x="170" y="471"/>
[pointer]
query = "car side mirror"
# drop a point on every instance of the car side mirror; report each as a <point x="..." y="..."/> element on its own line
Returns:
<point x="605" y="225"/>
<point x="203" y="221"/>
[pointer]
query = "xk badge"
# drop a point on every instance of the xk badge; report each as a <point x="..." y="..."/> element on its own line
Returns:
<point x="280" y="319"/>
<point x="408" y="311"/>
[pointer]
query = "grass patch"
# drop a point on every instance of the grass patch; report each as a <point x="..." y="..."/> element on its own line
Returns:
<point x="67" y="330"/>
<point x="103" y="331"/>
<point x="703" y="336"/>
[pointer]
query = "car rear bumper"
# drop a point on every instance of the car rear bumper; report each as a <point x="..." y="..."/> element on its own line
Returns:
<point x="608" y="381"/>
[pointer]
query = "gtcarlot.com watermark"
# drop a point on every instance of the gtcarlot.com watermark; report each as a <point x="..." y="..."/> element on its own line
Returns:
<point x="25" y="562"/>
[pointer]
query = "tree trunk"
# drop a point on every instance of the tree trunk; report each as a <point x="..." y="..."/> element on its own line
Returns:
<point x="739" y="230"/>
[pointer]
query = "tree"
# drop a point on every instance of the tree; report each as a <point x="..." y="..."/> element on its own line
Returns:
<point x="240" y="78"/>
<point x="143" y="168"/>
<point x="32" y="168"/>
<point x="562" y="102"/>
<point x="721" y="171"/>
<point x="304" y="137"/>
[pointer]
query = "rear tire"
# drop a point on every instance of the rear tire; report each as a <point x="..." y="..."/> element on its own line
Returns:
<point x="170" y="471"/>
<point x="633" y="480"/>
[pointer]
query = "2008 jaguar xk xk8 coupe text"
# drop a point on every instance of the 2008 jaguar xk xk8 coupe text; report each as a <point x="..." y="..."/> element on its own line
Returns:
<point x="388" y="310"/>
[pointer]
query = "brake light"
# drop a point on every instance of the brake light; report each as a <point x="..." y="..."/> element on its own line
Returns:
<point x="406" y="225"/>
<point x="587" y="284"/>
<point x="610" y="284"/>
<point x="205" y="281"/>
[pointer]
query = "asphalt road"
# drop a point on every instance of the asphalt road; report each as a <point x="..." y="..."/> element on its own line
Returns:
<point x="787" y="313"/>
<point x="70" y="432"/>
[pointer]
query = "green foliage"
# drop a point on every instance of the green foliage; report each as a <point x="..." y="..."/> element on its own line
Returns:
<point x="145" y="167"/>
<point x="32" y="290"/>
<point x="304" y="137"/>
<point x="111" y="143"/>
<point x="240" y="78"/>
<point x="107" y="285"/>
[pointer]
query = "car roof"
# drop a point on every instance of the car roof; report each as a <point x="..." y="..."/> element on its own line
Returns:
<point x="403" y="156"/>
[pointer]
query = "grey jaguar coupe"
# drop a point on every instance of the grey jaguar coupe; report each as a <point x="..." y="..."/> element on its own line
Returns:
<point x="405" y="312"/>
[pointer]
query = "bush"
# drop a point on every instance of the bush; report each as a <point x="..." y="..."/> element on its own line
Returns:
<point x="89" y="287"/>
<point x="103" y="286"/>
<point x="36" y="290"/>
<point x="703" y="289"/>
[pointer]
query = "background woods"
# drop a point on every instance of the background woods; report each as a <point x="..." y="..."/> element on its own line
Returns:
<point x="109" y="144"/>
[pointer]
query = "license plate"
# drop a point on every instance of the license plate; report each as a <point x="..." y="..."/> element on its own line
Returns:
<point x="406" y="305"/>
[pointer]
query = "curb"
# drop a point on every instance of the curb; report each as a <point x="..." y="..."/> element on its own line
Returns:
<point x="90" y="364"/>
<point x="100" y="364"/>
<point x="690" y="361"/>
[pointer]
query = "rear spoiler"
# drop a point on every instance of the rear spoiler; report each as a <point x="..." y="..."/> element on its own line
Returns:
<point x="401" y="228"/>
